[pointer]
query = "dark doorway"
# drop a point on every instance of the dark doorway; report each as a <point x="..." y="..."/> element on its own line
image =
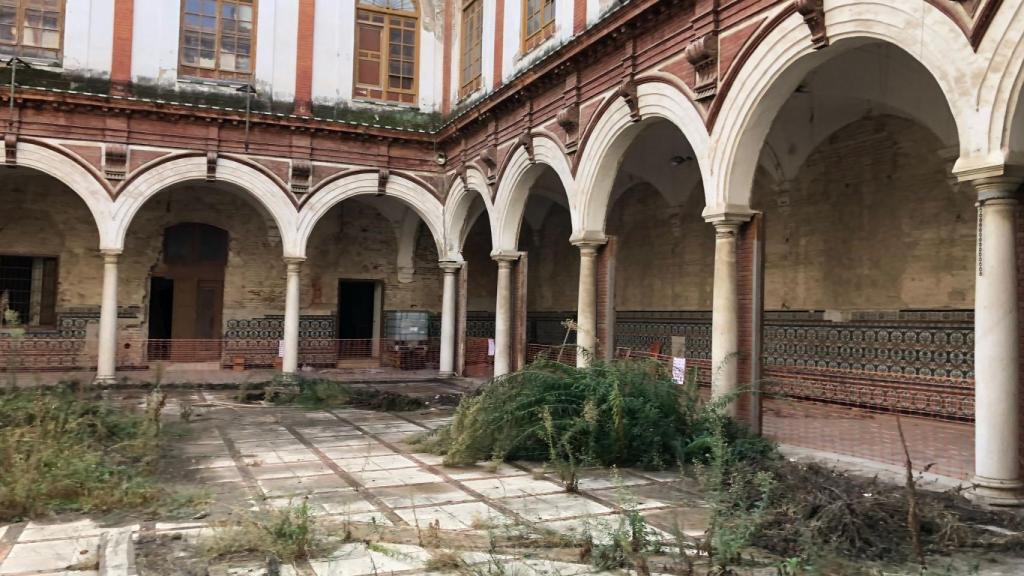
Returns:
<point x="355" y="317"/>
<point x="161" y="303"/>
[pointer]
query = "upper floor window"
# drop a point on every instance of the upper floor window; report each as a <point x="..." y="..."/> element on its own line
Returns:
<point x="32" y="28"/>
<point x="386" y="55"/>
<point x="217" y="38"/>
<point x="538" y="22"/>
<point x="472" y="46"/>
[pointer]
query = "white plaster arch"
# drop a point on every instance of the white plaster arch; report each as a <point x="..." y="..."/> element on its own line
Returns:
<point x="514" y="189"/>
<point x="1002" y="89"/>
<point x="80" y="181"/>
<point x="193" y="169"/>
<point x="458" y="211"/>
<point x="615" y="131"/>
<point x="415" y="196"/>
<point x="776" y="67"/>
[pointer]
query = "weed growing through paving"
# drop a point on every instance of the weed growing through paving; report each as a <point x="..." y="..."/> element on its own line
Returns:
<point x="288" y="534"/>
<point x="63" y="450"/>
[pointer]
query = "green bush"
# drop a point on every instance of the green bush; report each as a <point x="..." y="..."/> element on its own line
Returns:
<point x="623" y="413"/>
<point x="62" y="452"/>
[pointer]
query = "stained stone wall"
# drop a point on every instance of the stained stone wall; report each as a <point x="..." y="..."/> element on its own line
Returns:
<point x="873" y="221"/>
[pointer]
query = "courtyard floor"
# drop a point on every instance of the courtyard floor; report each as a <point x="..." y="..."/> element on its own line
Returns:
<point x="359" y="475"/>
<point x="357" y="472"/>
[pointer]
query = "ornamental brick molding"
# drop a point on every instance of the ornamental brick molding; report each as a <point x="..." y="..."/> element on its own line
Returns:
<point x="702" y="54"/>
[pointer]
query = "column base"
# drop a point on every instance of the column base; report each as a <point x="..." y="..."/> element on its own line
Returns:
<point x="446" y="374"/>
<point x="998" y="492"/>
<point x="289" y="377"/>
<point x="104" y="380"/>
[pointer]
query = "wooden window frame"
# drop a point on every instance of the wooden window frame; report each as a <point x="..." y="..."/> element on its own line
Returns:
<point x="189" y="71"/>
<point x="16" y="48"/>
<point x="386" y="56"/>
<point x="547" y="29"/>
<point x="469" y="85"/>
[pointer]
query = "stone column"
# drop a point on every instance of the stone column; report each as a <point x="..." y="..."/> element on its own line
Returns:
<point x="996" y="345"/>
<point x="725" y="311"/>
<point x="449" y="298"/>
<point x="290" y="365"/>
<point x="503" y="315"/>
<point x="586" y="309"/>
<point x="106" y="364"/>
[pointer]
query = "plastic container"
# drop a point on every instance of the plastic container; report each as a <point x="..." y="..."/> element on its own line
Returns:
<point x="406" y="325"/>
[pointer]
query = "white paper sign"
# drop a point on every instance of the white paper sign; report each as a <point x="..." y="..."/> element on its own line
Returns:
<point x="679" y="370"/>
<point x="490" y="346"/>
<point x="280" y="348"/>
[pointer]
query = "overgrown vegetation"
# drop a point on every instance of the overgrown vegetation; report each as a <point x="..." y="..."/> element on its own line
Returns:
<point x="63" y="450"/>
<point x="316" y="393"/>
<point x="623" y="413"/>
<point x="286" y="534"/>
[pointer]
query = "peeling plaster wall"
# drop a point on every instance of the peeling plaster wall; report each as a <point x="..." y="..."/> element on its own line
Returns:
<point x="483" y="272"/>
<point x="872" y="221"/>
<point x="665" y="255"/>
<point x="553" y="268"/>
<point x="55" y="223"/>
<point x="356" y="242"/>
<point x="254" y="279"/>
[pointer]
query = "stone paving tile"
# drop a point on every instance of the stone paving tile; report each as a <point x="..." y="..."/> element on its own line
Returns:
<point x="602" y="528"/>
<point x="202" y="449"/>
<point x="268" y="445"/>
<point x="398" y="437"/>
<point x="366" y="450"/>
<point x="216" y="475"/>
<point x="598" y="479"/>
<point x="367" y="463"/>
<point x="50" y="555"/>
<point x="282" y="457"/>
<point x="211" y="462"/>
<point x="369" y="518"/>
<point x="303" y="485"/>
<point x="512" y="486"/>
<point x="421" y="494"/>
<point x="290" y="470"/>
<point x="343" y="503"/>
<point x="553" y="506"/>
<point x="327" y="431"/>
<point x="407" y="476"/>
<point x="358" y="559"/>
<point x="428" y="458"/>
<point x="351" y="441"/>
<point x="34" y="531"/>
<point x="481" y="471"/>
<point x="463" y="516"/>
<point x="392" y="428"/>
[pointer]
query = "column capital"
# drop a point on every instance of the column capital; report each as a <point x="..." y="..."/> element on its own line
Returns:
<point x="1005" y="187"/>
<point x="450" y="266"/>
<point x="728" y="215"/>
<point x="110" y="254"/>
<point x="293" y="263"/>
<point x="588" y="238"/>
<point x="507" y="256"/>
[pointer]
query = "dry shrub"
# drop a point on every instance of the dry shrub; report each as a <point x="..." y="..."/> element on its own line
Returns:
<point x="63" y="451"/>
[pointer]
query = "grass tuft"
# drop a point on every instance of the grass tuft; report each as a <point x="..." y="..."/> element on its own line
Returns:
<point x="63" y="451"/>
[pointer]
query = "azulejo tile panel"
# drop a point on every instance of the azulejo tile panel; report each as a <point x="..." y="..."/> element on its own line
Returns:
<point x="914" y="343"/>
